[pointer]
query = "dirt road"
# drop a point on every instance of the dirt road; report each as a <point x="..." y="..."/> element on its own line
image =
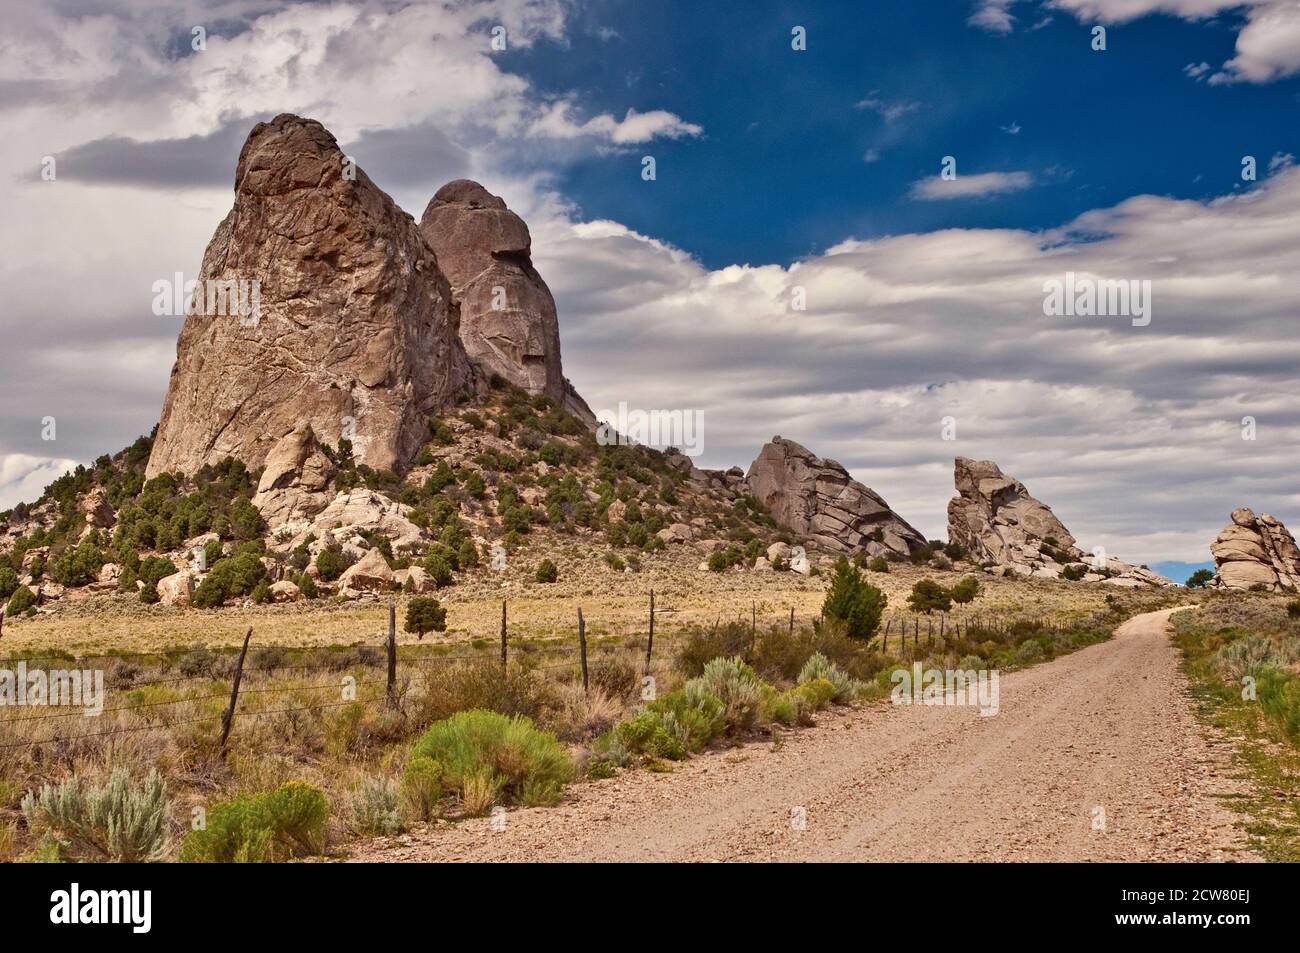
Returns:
<point x="1106" y="729"/>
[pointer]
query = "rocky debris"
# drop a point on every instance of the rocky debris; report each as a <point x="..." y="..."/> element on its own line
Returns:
<point x="285" y="591"/>
<point x="508" y="324"/>
<point x="110" y="574"/>
<point x="354" y="324"/>
<point x="370" y="572"/>
<point x="94" y="506"/>
<point x="176" y="589"/>
<point x="818" y="500"/>
<point x="357" y="512"/>
<point x="295" y="484"/>
<point x="996" y="520"/>
<point x="1255" y="551"/>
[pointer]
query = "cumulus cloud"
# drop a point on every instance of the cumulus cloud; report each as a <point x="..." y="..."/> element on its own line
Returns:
<point x="23" y="477"/>
<point x="971" y="186"/>
<point x="993" y="15"/>
<point x="556" y="122"/>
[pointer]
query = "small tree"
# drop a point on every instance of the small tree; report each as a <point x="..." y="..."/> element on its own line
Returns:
<point x="966" y="590"/>
<point x="424" y="614"/>
<point x="854" y="601"/>
<point x="927" y="595"/>
<point x="1200" y="579"/>
<point x="546" y="571"/>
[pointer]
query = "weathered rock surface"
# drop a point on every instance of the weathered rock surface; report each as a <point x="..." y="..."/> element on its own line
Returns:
<point x="285" y="591"/>
<point x="818" y="500"/>
<point x="508" y="324"/>
<point x="176" y="589"/>
<point x="295" y="483"/>
<point x="354" y="323"/>
<point x="354" y="513"/>
<point x="1255" y="551"/>
<point x="370" y="572"/>
<point x="999" y="523"/>
<point x="996" y="520"/>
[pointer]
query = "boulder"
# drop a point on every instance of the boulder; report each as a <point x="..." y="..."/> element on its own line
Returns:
<point x="285" y="591"/>
<point x="419" y="579"/>
<point x="110" y="574"/>
<point x="675" y="533"/>
<point x="369" y="573"/>
<point x="350" y="327"/>
<point x="94" y="506"/>
<point x="1255" y="551"/>
<point x="360" y="510"/>
<point x="295" y="484"/>
<point x="778" y="551"/>
<point x="176" y="589"/>
<point x="817" y="499"/>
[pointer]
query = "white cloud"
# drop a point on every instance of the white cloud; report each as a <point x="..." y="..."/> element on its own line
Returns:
<point x="993" y="15"/>
<point x="1012" y="130"/>
<point x="635" y="127"/>
<point x="971" y="186"/>
<point x="889" y="111"/>
<point x="24" y="477"/>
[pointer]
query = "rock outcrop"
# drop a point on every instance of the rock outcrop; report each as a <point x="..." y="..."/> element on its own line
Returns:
<point x="350" y="325"/>
<point x="508" y="323"/>
<point x="1000" y="524"/>
<point x="996" y="520"/>
<point x="295" y="483"/>
<point x="816" y="499"/>
<point x="1255" y="551"/>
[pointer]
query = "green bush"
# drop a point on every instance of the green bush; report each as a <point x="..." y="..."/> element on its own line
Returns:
<point x="878" y="564"/>
<point x="117" y="821"/>
<point x="819" y="666"/>
<point x="425" y="614"/>
<point x="1293" y="609"/>
<point x="238" y="575"/>
<point x="422" y="787"/>
<point x="736" y="685"/>
<point x="815" y="692"/>
<point x="546" y="571"/>
<point x="486" y="756"/>
<point x="1075" y="572"/>
<point x="966" y="591"/>
<point x="331" y="563"/>
<point x="274" y="825"/>
<point x="927" y="596"/>
<point x="1200" y="579"/>
<point x="22" y="600"/>
<point x="853" y="601"/>
<point x="8" y="581"/>
<point x="1279" y="696"/>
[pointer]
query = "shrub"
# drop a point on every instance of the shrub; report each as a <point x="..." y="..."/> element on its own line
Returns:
<point x="117" y="821"/>
<point x="1075" y="572"/>
<point x="718" y="562"/>
<point x="546" y="571"/>
<point x="966" y="590"/>
<point x="819" y="666"/>
<point x="878" y="564"/>
<point x="736" y="685"/>
<point x="815" y="692"/>
<point x="376" y="808"/>
<point x="927" y="595"/>
<point x="425" y="614"/>
<point x="467" y="555"/>
<point x="1293" y="609"/>
<point x="1200" y="579"/>
<point x="449" y="689"/>
<point x="22" y="600"/>
<point x="853" y="601"/>
<point x="701" y="646"/>
<point x="331" y="562"/>
<point x="1029" y="652"/>
<point x="439" y="569"/>
<point x="486" y="755"/>
<point x="8" y="581"/>
<point x="1279" y="696"/>
<point x="422" y="787"/>
<point x="274" y="825"/>
<point x="238" y="575"/>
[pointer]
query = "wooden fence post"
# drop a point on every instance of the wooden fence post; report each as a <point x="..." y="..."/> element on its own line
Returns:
<point x="650" y="639"/>
<point x="392" y="655"/>
<point x="792" y="622"/>
<point x="229" y="716"/>
<point x="503" y="635"/>
<point x="582" y="645"/>
<point x="916" y="632"/>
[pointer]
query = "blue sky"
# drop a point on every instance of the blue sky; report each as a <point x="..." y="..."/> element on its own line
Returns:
<point x="777" y="171"/>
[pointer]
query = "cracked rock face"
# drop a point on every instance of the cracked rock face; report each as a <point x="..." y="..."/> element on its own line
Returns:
<point x="295" y="484"/>
<point x="818" y="500"/>
<point x="1256" y="551"/>
<point x="355" y="330"/>
<point x="508" y="323"/>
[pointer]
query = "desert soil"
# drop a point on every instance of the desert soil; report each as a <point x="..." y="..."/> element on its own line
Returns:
<point x="1110" y="727"/>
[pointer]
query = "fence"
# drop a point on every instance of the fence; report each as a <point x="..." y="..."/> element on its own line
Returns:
<point x="895" y="631"/>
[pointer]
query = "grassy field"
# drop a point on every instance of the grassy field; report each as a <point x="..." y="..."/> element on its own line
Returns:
<point x="1227" y="645"/>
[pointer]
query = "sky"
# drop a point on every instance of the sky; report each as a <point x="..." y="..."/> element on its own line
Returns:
<point x="799" y="264"/>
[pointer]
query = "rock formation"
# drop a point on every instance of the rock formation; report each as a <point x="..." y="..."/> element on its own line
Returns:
<point x="996" y="520"/>
<point x="350" y="324"/>
<point x="816" y="499"/>
<point x="1256" y="551"/>
<point x="508" y="324"/>
<point x="295" y="483"/>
